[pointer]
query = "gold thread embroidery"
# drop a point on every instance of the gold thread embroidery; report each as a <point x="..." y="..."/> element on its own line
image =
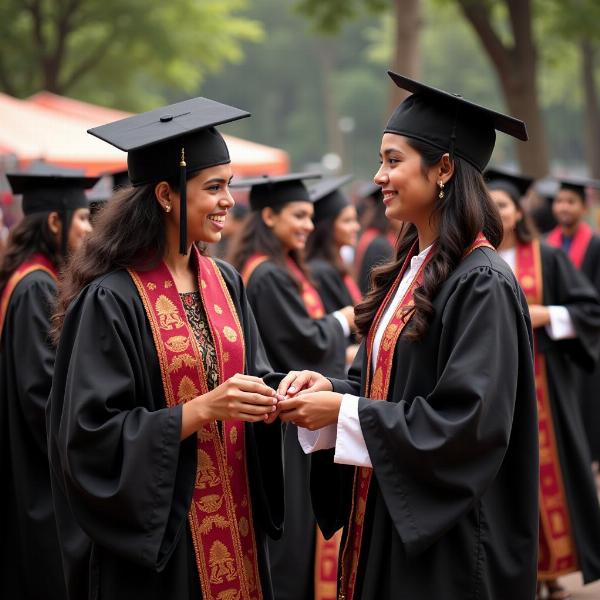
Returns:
<point x="218" y="309"/>
<point x="178" y="343"/>
<point x="207" y="472"/>
<point x="231" y="594"/>
<point x="210" y="504"/>
<point x="244" y="527"/>
<point x="233" y="434"/>
<point x="168" y="284"/>
<point x="168" y="315"/>
<point x="179" y="361"/>
<point x="151" y="286"/>
<point x="186" y="390"/>
<point x="213" y="521"/>
<point x="221" y="563"/>
<point x="230" y="333"/>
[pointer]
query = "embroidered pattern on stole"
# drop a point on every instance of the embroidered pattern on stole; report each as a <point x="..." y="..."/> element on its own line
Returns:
<point x="36" y="262"/>
<point x="221" y="512"/>
<point x="579" y="245"/>
<point x="376" y="388"/>
<point x="557" y="554"/>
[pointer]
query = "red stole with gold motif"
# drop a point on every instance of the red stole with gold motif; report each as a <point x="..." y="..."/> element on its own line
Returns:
<point x="557" y="554"/>
<point x="579" y="245"/>
<point x="36" y="262"/>
<point x="377" y="388"/>
<point x="220" y="515"/>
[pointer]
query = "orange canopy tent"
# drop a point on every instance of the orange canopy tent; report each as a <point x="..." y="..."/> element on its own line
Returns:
<point x="53" y="128"/>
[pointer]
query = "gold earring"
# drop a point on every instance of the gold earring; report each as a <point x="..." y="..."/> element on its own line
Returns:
<point x="441" y="186"/>
<point x="167" y="208"/>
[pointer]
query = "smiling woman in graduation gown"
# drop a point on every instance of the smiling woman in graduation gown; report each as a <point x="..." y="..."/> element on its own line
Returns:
<point x="565" y="313"/>
<point x="427" y="453"/>
<point x="168" y="477"/>
<point x="28" y="276"/>
<point x="296" y="330"/>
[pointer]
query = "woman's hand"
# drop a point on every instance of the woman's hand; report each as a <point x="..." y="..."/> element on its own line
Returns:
<point x="241" y="398"/>
<point x="540" y="315"/>
<point x="348" y="312"/>
<point x="303" y="381"/>
<point x="311" y="410"/>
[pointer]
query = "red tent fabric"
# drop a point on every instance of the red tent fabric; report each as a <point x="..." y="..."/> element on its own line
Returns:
<point x="53" y="128"/>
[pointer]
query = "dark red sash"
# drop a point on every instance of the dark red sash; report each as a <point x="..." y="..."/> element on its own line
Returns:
<point x="376" y="388"/>
<point x="364" y="242"/>
<point x="221" y="512"/>
<point x="353" y="289"/>
<point x="579" y="245"/>
<point x="557" y="554"/>
<point x="36" y="262"/>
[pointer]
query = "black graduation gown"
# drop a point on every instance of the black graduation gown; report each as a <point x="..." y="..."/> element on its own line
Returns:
<point x="452" y="511"/>
<point x="118" y="463"/>
<point x="330" y="284"/>
<point x="30" y="564"/>
<point x="293" y="340"/>
<point x="378" y="251"/>
<point x="564" y="285"/>
<point x="590" y="382"/>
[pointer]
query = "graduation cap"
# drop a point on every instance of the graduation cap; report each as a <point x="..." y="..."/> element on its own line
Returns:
<point x="450" y="123"/>
<point x="370" y="191"/>
<point x="276" y="190"/>
<point x="120" y="179"/>
<point x="328" y="198"/>
<point x="516" y="186"/>
<point x="172" y="142"/>
<point x="578" y="185"/>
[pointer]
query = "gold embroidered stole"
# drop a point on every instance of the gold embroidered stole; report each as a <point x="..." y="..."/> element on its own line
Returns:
<point x="221" y="512"/>
<point x="557" y="554"/>
<point x="36" y="262"/>
<point x="377" y="388"/>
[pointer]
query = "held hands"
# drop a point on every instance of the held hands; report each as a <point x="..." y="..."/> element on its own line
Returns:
<point x="540" y="315"/>
<point x="308" y="400"/>
<point x="241" y="397"/>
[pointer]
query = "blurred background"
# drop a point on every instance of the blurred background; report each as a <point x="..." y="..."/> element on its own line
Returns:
<point x="312" y="72"/>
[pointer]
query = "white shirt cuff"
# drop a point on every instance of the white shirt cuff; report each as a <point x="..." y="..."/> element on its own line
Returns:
<point x="320" y="439"/>
<point x="343" y="322"/>
<point x="350" y="446"/>
<point x="561" y="325"/>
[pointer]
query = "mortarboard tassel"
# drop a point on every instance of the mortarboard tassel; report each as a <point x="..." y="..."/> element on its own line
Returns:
<point x="182" y="205"/>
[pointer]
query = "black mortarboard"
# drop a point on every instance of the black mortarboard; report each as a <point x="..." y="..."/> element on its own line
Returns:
<point x="120" y="179"/>
<point x="370" y="191"/>
<point x="171" y="142"/>
<point x="578" y="185"/>
<point x="276" y="190"/>
<point x="328" y="197"/>
<point x="48" y="193"/>
<point x="514" y="185"/>
<point x="450" y="123"/>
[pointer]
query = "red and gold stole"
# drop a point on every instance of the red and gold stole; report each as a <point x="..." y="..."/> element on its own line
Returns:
<point x="221" y="512"/>
<point x="557" y="554"/>
<point x="353" y="289"/>
<point x="36" y="262"/>
<point x="579" y="245"/>
<point x="365" y="240"/>
<point x="377" y="388"/>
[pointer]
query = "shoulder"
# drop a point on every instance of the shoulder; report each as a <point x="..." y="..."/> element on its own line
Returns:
<point x="230" y="275"/>
<point x="268" y="273"/>
<point x="380" y="243"/>
<point x="320" y="266"/>
<point x="36" y="283"/>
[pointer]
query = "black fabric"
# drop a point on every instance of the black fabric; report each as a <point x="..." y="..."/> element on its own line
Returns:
<point x="378" y="251"/>
<point x="293" y="340"/>
<point x="330" y="206"/>
<point x="330" y="284"/>
<point x="578" y="185"/>
<point x="516" y="186"/>
<point x="30" y="563"/>
<point x="565" y="286"/>
<point x="590" y="382"/>
<point x="453" y="506"/>
<point x="449" y="122"/>
<point x="117" y="461"/>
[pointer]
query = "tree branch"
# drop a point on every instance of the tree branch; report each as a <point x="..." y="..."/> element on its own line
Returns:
<point x="520" y="20"/>
<point x="479" y="17"/>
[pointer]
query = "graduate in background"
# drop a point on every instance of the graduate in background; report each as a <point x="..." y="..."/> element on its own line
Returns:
<point x="565" y="316"/>
<point x="56" y="219"/>
<point x="438" y="412"/>
<point x="297" y="331"/>
<point x="582" y="245"/>
<point x="166" y="474"/>
<point x="376" y="242"/>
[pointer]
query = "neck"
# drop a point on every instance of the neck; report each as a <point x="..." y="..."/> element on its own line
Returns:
<point x="569" y="230"/>
<point x="428" y="233"/>
<point x="508" y="241"/>
<point x="177" y="264"/>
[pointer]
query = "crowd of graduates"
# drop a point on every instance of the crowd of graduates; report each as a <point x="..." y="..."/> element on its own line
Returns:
<point x="304" y="394"/>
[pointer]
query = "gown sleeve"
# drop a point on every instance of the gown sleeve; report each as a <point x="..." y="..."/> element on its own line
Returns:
<point x="127" y="476"/>
<point x="297" y="340"/>
<point x="435" y="455"/>
<point x="29" y="342"/>
<point x="565" y="286"/>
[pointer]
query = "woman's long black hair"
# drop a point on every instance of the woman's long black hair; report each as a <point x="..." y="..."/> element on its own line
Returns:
<point x="465" y="210"/>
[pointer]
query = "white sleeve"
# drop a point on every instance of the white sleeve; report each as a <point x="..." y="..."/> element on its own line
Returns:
<point x="320" y="439"/>
<point x="343" y="322"/>
<point x="561" y="325"/>
<point x="350" y="447"/>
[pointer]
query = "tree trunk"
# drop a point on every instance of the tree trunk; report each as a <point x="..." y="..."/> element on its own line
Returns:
<point x="592" y="109"/>
<point x="407" y="57"/>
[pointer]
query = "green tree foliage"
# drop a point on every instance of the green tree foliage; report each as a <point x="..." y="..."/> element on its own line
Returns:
<point x="126" y="53"/>
<point x="330" y="15"/>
